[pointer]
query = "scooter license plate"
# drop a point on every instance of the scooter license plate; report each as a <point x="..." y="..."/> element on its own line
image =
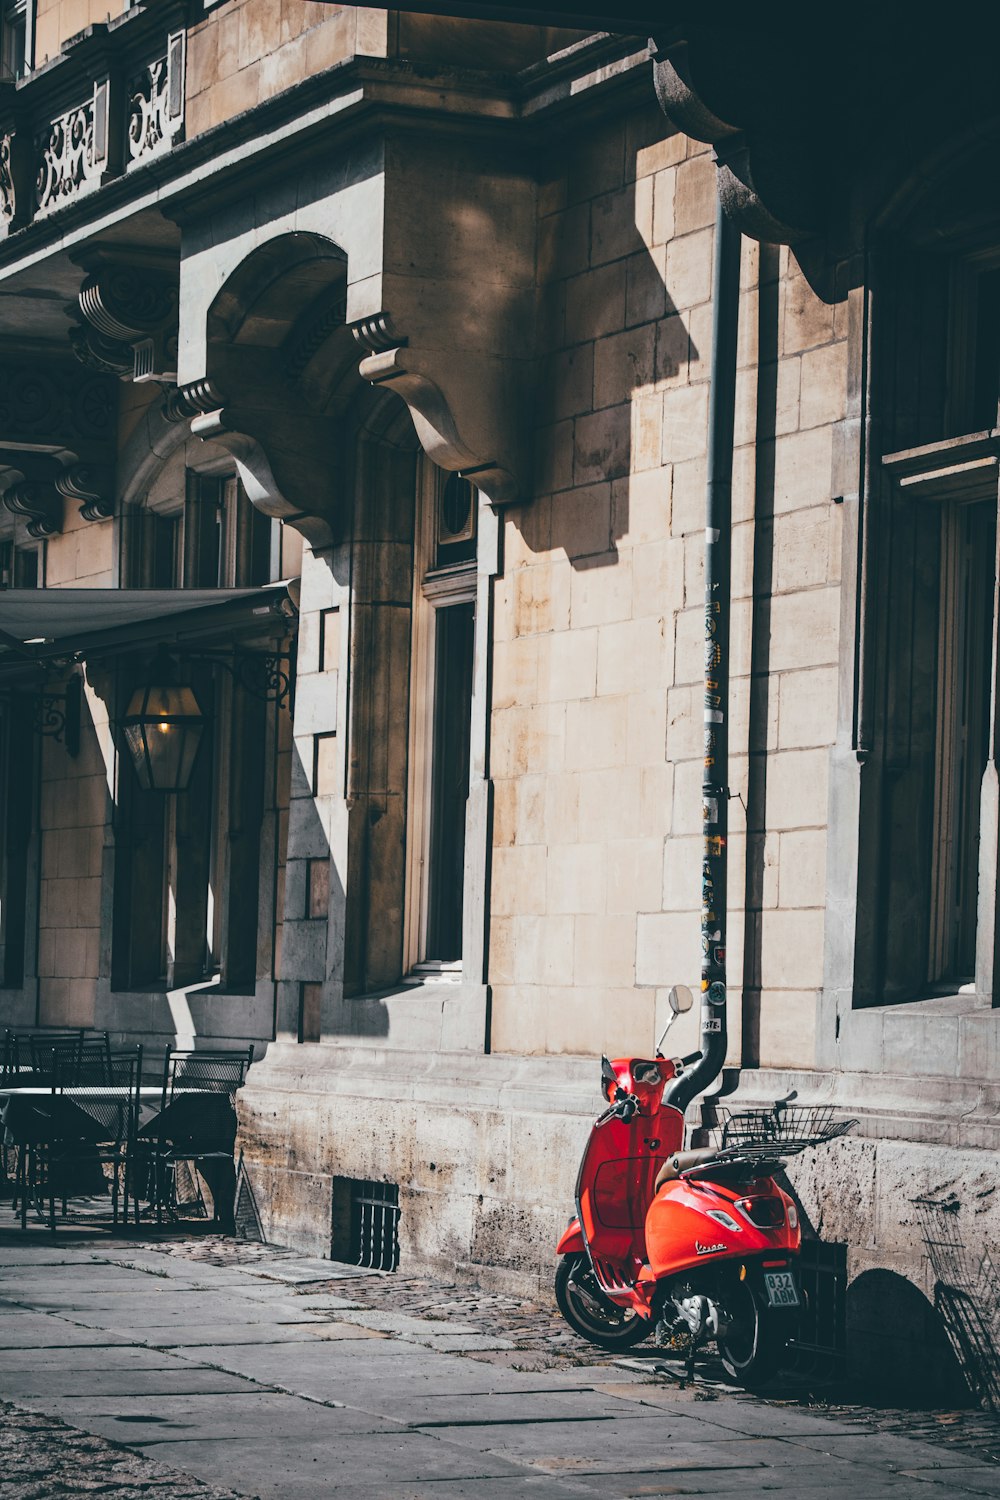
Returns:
<point x="781" y="1289"/>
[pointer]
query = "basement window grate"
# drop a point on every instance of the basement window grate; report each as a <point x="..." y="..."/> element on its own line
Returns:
<point x="366" y="1223"/>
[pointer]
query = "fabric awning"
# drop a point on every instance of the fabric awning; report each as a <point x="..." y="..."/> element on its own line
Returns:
<point x="37" y="624"/>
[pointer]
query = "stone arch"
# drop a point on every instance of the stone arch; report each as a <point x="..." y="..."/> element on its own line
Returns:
<point x="280" y="364"/>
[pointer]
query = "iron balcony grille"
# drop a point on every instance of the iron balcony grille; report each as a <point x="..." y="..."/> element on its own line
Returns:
<point x="366" y="1223"/>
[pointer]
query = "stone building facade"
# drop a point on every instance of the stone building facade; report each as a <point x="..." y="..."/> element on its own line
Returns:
<point x="383" y="343"/>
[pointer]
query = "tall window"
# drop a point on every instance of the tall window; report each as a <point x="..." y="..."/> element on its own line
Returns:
<point x="965" y="632"/>
<point x="208" y="537"/>
<point x="444" y="629"/>
<point x="187" y="866"/>
<point x="922" y="785"/>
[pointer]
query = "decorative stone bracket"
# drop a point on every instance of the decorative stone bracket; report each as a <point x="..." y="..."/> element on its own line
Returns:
<point x="460" y="404"/>
<point x="288" y="465"/>
<point x="129" y="326"/>
<point x="62" y="423"/>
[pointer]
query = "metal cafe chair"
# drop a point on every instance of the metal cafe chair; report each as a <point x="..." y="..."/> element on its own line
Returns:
<point x="197" y="1125"/>
<point x="115" y="1107"/>
<point x="55" y="1143"/>
<point x="75" y="1055"/>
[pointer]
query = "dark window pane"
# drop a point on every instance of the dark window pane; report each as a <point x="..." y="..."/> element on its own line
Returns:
<point x="450" y="783"/>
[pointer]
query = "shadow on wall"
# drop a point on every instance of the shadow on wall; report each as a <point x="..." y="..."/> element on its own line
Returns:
<point x="898" y="1350"/>
<point x="609" y="334"/>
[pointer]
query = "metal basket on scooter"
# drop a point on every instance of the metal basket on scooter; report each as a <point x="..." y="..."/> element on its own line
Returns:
<point x="779" y="1131"/>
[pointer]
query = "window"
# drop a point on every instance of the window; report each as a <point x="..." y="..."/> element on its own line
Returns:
<point x="209" y="537"/>
<point x="14" y="48"/>
<point x="19" y="565"/>
<point x="965" y="632"/>
<point x="444" y="633"/>
<point x="923" y="815"/>
<point x="15" y="832"/>
<point x="187" y="867"/>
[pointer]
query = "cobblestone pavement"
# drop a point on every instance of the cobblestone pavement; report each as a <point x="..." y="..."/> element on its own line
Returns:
<point x="43" y="1459"/>
<point x="542" y="1341"/>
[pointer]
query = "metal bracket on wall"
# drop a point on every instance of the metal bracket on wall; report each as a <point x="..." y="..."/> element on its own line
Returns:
<point x="265" y="675"/>
<point x="57" y="715"/>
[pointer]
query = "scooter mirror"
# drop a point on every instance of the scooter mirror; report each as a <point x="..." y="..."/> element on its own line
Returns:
<point x="680" y="999"/>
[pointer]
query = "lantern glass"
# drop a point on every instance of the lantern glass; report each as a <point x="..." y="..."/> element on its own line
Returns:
<point x="163" y="729"/>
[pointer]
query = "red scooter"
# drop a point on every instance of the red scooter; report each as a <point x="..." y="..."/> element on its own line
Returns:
<point x="702" y="1243"/>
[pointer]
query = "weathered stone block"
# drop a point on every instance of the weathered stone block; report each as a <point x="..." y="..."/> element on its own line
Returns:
<point x="797" y="789"/>
<point x="685" y="415"/>
<point x="567" y="665"/>
<point x="577" y="878"/>
<point x="805" y="629"/>
<point x="602" y="445"/>
<point x="609" y="804"/>
<point x="646" y="296"/>
<point x="613" y="229"/>
<point x="647" y="728"/>
<point x="642" y="514"/>
<point x="689" y="269"/>
<point x="595" y="303"/>
<point x="599" y="595"/>
<point x="519" y="881"/>
<point x="604" y="951"/>
<point x="668" y="948"/>
<point x="807" y="707"/>
<point x="788" y="1027"/>
<point x="824" y="385"/>
<point x="695" y="196"/>
<point x="596" y="733"/>
<point x="581" y="517"/>
<point x="634" y="875"/>
<point x="634" y="655"/>
<point x="802" y="469"/>
<point x="801" y="868"/>
<point x="623" y="365"/>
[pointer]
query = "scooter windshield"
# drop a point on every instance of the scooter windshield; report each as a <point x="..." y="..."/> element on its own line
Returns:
<point x="615" y="1188"/>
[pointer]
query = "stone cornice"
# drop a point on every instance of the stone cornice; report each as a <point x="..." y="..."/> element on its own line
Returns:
<point x="361" y="96"/>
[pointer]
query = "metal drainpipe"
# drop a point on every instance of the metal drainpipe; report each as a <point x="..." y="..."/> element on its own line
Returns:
<point x="718" y="584"/>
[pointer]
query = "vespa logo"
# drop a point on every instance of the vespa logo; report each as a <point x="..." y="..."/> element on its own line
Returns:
<point x="701" y="1249"/>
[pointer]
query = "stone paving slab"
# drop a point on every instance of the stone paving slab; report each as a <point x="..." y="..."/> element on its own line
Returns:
<point x="583" y="1441"/>
<point x="221" y="1335"/>
<point x="211" y="1417"/>
<point x="21" y="1385"/>
<point x="277" y="1467"/>
<point x="46" y="1331"/>
<point x="301" y="1272"/>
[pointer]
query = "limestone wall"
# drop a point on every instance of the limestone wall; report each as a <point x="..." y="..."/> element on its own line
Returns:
<point x="597" y="733"/>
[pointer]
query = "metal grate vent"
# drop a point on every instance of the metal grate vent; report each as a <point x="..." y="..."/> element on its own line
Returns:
<point x="366" y="1223"/>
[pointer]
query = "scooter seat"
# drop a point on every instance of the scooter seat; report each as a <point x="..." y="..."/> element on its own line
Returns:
<point x="682" y="1161"/>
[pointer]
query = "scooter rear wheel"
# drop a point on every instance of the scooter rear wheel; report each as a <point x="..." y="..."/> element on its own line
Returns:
<point x="751" y="1346"/>
<point x="590" y="1313"/>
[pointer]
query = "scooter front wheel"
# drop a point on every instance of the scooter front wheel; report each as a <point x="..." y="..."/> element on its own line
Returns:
<point x="590" y="1313"/>
<point x="752" y="1338"/>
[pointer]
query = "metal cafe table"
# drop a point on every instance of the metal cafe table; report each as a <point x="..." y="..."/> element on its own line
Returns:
<point x="195" y="1125"/>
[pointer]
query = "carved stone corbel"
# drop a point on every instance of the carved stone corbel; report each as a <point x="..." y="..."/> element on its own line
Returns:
<point x="130" y="322"/>
<point x="458" y="429"/>
<point x="287" y="466"/>
<point x="91" y="486"/>
<point x="40" y="501"/>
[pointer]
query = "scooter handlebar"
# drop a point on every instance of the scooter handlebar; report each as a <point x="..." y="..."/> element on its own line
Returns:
<point x="622" y="1109"/>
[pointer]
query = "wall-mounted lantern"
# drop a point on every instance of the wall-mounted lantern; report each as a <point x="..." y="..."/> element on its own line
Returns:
<point x="163" y="728"/>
